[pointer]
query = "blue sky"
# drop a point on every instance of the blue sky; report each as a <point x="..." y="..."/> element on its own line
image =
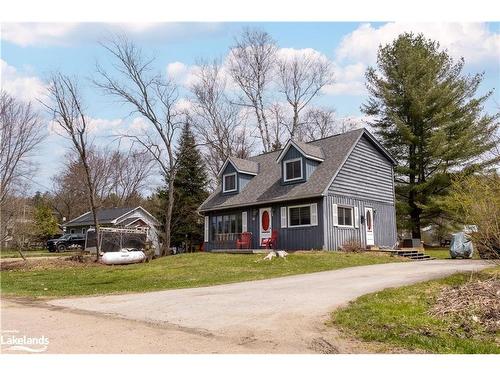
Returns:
<point x="29" y="52"/>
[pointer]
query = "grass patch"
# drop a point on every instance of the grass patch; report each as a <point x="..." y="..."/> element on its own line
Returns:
<point x="444" y="253"/>
<point x="12" y="253"/>
<point x="179" y="271"/>
<point x="401" y="318"/>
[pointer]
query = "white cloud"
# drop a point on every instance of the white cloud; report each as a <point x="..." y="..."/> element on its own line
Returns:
<point x="183" y="104"/>
<point x="137" y="126"/>
<point x="95" y="127"/>
<point x="473" y="41"/>
<point x="176" y="70"/>
<point x="349" y="80"/>
<point x="20" y="85"/>
<point x="25" y="34"/>
<point x="45" y="34"/>
<point x="99" y="126"/>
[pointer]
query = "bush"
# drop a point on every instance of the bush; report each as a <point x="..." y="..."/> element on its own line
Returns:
<point x="352" y="246"/>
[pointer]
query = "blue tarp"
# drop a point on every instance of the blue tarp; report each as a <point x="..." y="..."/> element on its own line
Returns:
<point x="461" y="246"/>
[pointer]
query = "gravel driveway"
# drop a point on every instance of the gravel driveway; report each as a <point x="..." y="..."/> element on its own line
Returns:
<point x="283" y="314"/>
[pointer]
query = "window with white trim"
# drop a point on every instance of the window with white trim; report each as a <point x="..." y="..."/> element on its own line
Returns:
<point x="229" y="182"/>
<point x="345" y="216"/>
<point x="299" y="216"/>
<point x="292" y="169"/>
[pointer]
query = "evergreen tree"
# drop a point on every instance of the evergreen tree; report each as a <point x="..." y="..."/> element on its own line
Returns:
<point x="190" y="191"/>
<point x="428" y="115"/>
<point x="45" y="223"/>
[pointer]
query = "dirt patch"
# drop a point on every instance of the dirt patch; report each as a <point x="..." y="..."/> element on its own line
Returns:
<point x="49" y="263"/>
<point x="476" y="303"/>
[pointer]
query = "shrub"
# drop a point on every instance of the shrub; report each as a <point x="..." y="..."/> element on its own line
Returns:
<point x="352" y="246"/>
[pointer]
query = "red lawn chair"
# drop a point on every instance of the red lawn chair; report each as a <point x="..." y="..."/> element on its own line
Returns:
<point x="244" y="241"/>
<point x="271" y="242"/>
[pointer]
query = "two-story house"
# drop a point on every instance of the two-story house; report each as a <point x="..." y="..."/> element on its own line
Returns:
<point x="316" y="195"/>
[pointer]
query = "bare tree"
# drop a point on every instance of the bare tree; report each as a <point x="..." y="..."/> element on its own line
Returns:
<point x="216" y="120"/>
<point x="301" y="78"/>
<point x="67" y="109"/>
<point x="251" y="62"/>
<point x="277" y="125"/>
<point x="21" y="133"/>
<point x="119" y="179"/>
<point x="154" y="98"/>
<point x="318" y="123"/>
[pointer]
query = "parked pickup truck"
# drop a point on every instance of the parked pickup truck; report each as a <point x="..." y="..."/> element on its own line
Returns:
<point x="65" y="242"/>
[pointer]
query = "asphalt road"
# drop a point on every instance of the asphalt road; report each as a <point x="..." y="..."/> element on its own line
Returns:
<point x="284" y="314"/>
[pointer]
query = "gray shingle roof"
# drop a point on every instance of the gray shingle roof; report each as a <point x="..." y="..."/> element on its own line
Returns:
<point x="245" y="165"/>
<point x="310" y="149"/>
<point x="266" y="186"/>
<point x="105" y="216"/>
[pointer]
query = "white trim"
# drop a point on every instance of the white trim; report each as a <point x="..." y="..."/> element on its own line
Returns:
<point x="271" y="201"/>
<point x="82" y="215"/>
<point x="302" y="225"/>
<point x="244" y="222"/>
<point x="356" y="217"/>
<point x="287" y="147"/>
<point x="285" y="162"/>
<point x="224" y="182"/>
<point x="352" y="216"/>
<point x="284" y="220"/>
<point x="314" y="214"/>
<point x="206" y="231"/>
<point x="116" y="220"/>
<point x="335" y="215"/>
<point x="228" y="160"/>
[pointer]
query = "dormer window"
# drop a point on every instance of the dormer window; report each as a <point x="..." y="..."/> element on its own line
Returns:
<point x="293" y="170"/>
<point x="229" y="182"/>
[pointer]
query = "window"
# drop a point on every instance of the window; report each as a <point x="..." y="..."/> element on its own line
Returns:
<point x="293" y="169"/>
<point x="229" y="182"/>
<point x="299" y="216"/>
<point x="226" y="227"/>
<point x="345" y="216"/>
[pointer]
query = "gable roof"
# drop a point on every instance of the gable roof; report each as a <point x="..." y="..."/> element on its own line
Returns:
<point x="266" y="186"/>
<point x="241" y="165"/>
<point x="104" y="216"/>
<point x="307" y="149"/>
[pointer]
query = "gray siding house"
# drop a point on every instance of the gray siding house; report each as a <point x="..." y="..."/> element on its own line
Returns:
<point x="118" y="217"/>
<point x="315" y="195"/>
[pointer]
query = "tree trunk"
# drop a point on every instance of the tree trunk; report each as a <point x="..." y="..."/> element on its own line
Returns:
<point x="168" y="217"/>
<point x="92" y="204"/>
<point x="21" y="253"/>
<point x="412" y="199"/>
<point x="295" y="123"/>
<point x="265" y="145"/>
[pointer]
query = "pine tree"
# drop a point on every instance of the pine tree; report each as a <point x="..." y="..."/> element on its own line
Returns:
<point x="428" y="115"/>
<point x="190" y="191"/>
<point x="45" y="223"/>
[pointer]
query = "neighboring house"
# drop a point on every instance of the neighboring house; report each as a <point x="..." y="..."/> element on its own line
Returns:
<point x="317" y="195"/>
<point x="122" y="217"/>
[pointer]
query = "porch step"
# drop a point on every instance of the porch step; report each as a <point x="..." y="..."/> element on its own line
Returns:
<point x="413" y="255"/>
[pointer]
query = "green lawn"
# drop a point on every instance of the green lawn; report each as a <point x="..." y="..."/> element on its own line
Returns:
<point x="444" y="253"/>
<point x="179" y="271"/>
<point x="399" y="318"/>
<point x="11" y="253"/>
